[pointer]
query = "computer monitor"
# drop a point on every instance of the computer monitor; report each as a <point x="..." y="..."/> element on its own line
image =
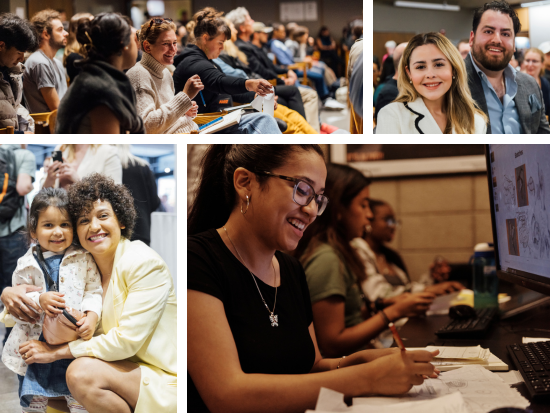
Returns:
<point x="520" y="213"/>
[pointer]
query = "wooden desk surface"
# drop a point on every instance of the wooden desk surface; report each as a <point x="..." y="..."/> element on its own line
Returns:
<point x="420" y="332"/>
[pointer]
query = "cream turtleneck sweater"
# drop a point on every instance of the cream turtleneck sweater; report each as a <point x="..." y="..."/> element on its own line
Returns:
<point x="162" y="112"/>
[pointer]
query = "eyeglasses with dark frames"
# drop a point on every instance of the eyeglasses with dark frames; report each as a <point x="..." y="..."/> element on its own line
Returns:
<point x="157" y="20"/>
<point x="303" y="192"/>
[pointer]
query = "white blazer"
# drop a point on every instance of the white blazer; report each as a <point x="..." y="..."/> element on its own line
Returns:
<point x="79" y="280"/>
<point x="414" y="117"/>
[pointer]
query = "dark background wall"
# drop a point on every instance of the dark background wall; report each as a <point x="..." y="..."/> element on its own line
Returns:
<point x="332" y="13"/>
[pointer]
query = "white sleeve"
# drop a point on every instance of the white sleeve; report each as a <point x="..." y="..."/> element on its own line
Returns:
<point x="388" y="121"/>
<point x="93" y="292"/>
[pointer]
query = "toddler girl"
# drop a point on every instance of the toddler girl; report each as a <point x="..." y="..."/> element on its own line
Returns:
<point x="73" y="273"/>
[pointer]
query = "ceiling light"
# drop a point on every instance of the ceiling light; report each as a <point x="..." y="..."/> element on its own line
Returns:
<point x="535" y="3"/>
<point x="431" y="6"/>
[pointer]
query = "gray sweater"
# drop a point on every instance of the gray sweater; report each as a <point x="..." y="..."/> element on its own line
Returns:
<point x="162" y="112"/>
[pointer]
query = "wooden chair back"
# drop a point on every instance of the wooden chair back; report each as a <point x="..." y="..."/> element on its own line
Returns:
<point x="41" y="117"/>
<point x="355" y="121"/>
<point x="51" y="121"/>
<point x="7" y="130"/>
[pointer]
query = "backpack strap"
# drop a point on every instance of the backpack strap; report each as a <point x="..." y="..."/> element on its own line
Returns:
<point x="52" y="286"/>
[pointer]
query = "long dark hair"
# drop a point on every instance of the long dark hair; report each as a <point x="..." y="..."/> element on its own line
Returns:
<point x="47" y="197"/>
<point x="107" y="34"/>
<point x="343" y="184"/>
<point x="216" y="196"/>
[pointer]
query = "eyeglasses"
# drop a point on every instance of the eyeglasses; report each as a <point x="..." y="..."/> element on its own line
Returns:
<point x="303" y="192"/>
<point x="157" y="20"/>
<point x="392" y="222"/>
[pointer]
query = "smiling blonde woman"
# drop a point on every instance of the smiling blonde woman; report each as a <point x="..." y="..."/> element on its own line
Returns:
<point x="434" y="96"/>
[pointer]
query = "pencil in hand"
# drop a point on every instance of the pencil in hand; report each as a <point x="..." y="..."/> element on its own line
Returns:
<point x="396" y="337"/>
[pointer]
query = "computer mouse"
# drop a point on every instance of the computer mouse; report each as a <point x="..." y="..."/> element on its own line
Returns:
<point x="462" y="312"/>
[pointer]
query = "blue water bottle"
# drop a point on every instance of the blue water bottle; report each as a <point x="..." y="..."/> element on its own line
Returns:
<point x="485" y="280"/>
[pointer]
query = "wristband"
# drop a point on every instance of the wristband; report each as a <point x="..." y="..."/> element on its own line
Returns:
<point x="384" y="317"/>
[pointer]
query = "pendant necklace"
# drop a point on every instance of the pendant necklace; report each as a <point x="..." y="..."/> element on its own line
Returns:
<point x="273" y="318"/>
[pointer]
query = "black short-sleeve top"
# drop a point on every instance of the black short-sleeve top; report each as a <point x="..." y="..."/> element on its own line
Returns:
<point x="286" y="349"/>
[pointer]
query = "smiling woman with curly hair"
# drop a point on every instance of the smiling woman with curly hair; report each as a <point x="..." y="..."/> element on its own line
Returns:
<point x="132" y="364"/>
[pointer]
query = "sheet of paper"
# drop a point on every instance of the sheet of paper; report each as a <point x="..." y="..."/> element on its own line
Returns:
<point x="453" y="402"/>
<point x="466" y="353"/>
<point x="265" y="104"/>
<point x="481" y="389"/>
<point x="526" y="340"/>
<point x="230" y="119"/>
<point x="511" y="377"/>
<point x="442" y="303"/>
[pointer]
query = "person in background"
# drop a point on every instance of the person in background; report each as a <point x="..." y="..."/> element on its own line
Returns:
<point x="334" y="271"/>
<point x="71" y="54"/>
<point x="12" y="242"/>
<point x="433" y="91"/>
<point x="140" y="180"/>
<point x="163" y="110"/>
<point x="270" y="358"/>
<point x="210" y="33"/>
<point x="101" y="99"/>
<point x="390" y="45"/>
<point x="545" y="48"/>
<point x="184" y="19"/>
<point x="388" y="71"/>
<point x="386" y="277"/>
<point x="44" y="80"/>
<point x="81" y="160"/>
<point x="45" y="166"/>
<point x="17" y="36"/>
<point x="389" y="92"/>
<point x="534" y="66"/>
<point x="375" y="73"/>
<point x="464" y="48"/>
<point x="181" y="36"/>
<point x="511" y="100"/>
<point x="327" y="46"/>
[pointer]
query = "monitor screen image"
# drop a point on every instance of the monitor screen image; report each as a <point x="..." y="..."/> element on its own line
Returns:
<point x="520" y="203"/>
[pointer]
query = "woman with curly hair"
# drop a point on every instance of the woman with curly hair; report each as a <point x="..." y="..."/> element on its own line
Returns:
<point x="131" y="365"/>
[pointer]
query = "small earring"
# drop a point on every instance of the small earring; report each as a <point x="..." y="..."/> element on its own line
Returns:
<point x="453" y="77"/>
<point x="410" y="81"/>
<point x="126" y="48"/>
<point x="247" y="205"/>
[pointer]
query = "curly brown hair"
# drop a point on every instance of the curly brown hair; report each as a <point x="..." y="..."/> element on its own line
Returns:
<point x="84" y="193"/>
<point x="43" y="21"/>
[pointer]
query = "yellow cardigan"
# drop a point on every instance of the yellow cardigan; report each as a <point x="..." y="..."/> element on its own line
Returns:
<point x="139" y="324"/>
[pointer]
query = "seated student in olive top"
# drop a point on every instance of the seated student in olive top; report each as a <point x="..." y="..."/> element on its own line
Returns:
<point x="334" y="271"/>
<point x="44" y="81"/>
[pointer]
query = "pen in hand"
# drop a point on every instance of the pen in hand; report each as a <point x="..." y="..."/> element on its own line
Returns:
<point x="202" y="97"/>
<point x="396" y="337"/>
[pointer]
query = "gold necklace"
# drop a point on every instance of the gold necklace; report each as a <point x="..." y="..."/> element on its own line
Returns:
<point x="273" y="318"/>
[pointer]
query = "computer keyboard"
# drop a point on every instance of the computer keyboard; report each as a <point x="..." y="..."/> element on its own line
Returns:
<point x="533" y="362"/>
<point x="470" y="327"/>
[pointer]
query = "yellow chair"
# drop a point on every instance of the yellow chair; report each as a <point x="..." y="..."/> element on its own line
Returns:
<point x="41" y="117"/>
<point x="7" y="130"/>
<point x="52" y="410"/>
<point x="355" y="121"/>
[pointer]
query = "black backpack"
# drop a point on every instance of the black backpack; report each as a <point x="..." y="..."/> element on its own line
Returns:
<point x="10" y="200"/>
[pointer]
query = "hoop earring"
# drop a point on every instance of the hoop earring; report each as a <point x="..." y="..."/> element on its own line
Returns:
<point x="247" y="205"/>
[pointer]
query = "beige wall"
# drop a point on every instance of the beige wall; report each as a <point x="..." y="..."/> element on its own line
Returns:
<point x="445" y="215"/>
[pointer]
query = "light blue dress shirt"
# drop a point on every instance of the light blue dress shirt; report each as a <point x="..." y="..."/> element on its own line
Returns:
<point x="503" y="115"/>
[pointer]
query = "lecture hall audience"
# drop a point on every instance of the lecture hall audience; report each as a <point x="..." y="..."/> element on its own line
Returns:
<point x="42" y="86"/>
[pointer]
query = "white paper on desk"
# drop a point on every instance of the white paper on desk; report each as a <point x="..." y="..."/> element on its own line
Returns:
<point x="442" y="303"/>
<point x="481" y="389"/>
<point x="453" y="402"/>
<point x="526" y="340"/>
<point x="265" y="104"/>
<point x="511" y="377"/>
<point x="466" y="353"/>
<point x="330" y="401"/>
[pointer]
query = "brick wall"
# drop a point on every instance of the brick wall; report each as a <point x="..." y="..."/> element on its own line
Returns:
<point x="441" y="215"/>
